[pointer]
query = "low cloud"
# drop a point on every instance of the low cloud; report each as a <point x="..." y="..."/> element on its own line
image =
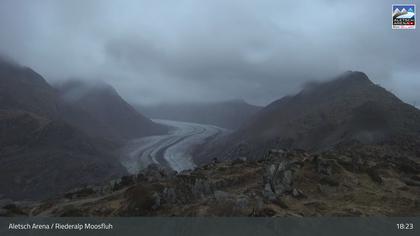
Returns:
<point x="166" y="51"/>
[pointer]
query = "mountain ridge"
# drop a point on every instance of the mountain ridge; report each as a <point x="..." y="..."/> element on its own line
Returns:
<point x="104" y="104"/>
<point x="48" y="145"/>
<point x="228" y="114"/>
<point x="323" y="115"/>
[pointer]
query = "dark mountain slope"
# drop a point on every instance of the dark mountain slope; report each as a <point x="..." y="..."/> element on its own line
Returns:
<point x="41" y="157"/>
<point x="348" y="109"/>
<point x="23" y="89"/>
<point x="229" y="114"/>
<point x="40" y="152"/>
<point x="104" y="104"/>
<point x="98" y="110"/>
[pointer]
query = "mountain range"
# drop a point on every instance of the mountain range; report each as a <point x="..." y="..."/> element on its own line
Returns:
<point x="229" y="114"/>
<point x="107" y="108"/>
<point x="347" y="109"/>
<point x="49" y="144"/>
<point x="345" y="147"/>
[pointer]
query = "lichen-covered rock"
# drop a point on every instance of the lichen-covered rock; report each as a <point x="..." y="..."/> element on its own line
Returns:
<point x="298" y="193"/>
<point x="221" y="195"/>
<point x="324" y="167"/>
<point x="278" y="179"/>
<point x="169" y="195"/>
<point x="200" y="188"/>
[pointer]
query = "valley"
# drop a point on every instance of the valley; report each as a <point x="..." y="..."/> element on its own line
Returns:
<point x="172" y="150"/>
<point x="80" y="149"/>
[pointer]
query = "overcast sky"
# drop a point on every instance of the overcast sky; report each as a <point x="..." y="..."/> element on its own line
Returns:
<point x="207" y="50"/>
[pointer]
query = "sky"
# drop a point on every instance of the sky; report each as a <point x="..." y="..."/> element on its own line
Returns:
<point x="160" y="51"/>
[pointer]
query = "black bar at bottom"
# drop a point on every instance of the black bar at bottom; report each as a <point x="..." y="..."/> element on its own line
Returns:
<point x="211" y="226"/>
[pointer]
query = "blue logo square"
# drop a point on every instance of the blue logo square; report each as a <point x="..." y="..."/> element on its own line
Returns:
<point x="404" y="16"/>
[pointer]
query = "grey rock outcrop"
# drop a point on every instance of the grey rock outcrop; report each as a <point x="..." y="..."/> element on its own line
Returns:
<point x="278" y="179"/>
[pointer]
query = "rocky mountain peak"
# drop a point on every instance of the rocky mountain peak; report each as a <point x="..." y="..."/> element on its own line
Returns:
<point x="325" y="114"/>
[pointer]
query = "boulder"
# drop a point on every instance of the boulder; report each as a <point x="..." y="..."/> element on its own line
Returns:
<point x="242" y="201"/>
<point x="156" y="200"/>
<point x="169" y="195"/>
<point x="324" y="167"/>
<point x="200" y="188"/>
<point x="221" y="195"/>
<point x="278" y="179"/>
<point x="296" y="193"/>
<point x="268" y="192"/>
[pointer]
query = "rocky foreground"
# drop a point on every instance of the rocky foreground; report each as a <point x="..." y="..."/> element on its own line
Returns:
<point x="284" y="183"/>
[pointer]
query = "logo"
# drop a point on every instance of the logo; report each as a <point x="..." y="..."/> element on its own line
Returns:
<point x="403" y="16"/>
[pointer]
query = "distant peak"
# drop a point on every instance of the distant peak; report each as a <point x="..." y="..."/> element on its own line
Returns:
<point x="236" y="100"/>
<point x="355" y="75"/>
<point x="352" y="77"/>
<point x="343" y="80"/>
<point x="95" y="85"/>
<point x="76" y="89"/>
